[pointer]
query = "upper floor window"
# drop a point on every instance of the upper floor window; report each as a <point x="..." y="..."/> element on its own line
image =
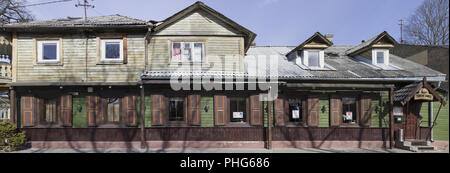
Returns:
<point x="112" y="50"/>
<point x="313" y="58"/>
<point x="380" y="57"/>
<point x="187" y="52"/>
<point x="48" y="51"/>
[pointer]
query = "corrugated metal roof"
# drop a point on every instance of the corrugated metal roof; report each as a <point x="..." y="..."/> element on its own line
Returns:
<point x="74" y="22"/>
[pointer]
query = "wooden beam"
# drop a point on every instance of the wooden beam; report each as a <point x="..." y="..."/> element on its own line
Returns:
<point x="12" y="105"/>
<point x="75" y="84"/>
<point x="143" y="144"/>
<point x="269" y="120"/>
<point x="391" y="117"/>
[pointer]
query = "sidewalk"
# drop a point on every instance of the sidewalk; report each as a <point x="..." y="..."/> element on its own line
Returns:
<point x="219" y="150"/>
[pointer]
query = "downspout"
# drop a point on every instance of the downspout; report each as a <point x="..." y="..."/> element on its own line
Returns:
<point x="142" y="93"/>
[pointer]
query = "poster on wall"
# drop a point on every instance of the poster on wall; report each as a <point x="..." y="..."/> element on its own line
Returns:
<point x="295" y="114"/>
<point x="349" y="116"/>
<point x="238" y="114"/>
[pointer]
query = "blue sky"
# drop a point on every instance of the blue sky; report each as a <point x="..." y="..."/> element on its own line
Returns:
<point x="277" y="22"/>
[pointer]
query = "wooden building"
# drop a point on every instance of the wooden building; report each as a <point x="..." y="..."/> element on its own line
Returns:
<point x="108" y="82"/>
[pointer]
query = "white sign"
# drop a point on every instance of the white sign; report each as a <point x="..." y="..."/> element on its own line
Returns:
<point x="348" y="115"/>
<point x="295" y="114"/>
<point x="398" y="111"/>
<point x="238" y="114"/>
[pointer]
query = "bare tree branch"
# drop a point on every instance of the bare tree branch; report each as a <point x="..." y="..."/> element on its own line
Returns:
<point x="429" y="24"/>
<point x="12" y="11"/>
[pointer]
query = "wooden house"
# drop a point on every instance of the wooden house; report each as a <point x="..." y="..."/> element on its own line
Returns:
<point x="108" y="82"/>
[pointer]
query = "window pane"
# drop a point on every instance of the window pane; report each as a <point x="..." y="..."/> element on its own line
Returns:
<point x="186" y="52"/>
<point x="295" y="110"/>
<point x="349" y="109"/>
<point x="176" y="109"/>
<point x="113" y="110"/>
<point x="50" y="110"/>
<point x="237" y="109"/>
<point x="176" y="52"/>
<point x="380" y="57"/>
<point x="313" y="58"/>
<point x="112" y="50"/>
<point x="198" y="51"/>
<point x="49" y="51"/>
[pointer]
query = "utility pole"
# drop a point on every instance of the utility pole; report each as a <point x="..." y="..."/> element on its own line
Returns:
<point x="85" y="5"/>
<point x="401" y="31"/>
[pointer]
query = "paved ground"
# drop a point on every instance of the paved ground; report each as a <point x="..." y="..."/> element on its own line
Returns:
<point x="219" y="150"/>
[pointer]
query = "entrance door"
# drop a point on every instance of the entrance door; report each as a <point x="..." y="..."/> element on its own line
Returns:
<point x="412" y="120"/>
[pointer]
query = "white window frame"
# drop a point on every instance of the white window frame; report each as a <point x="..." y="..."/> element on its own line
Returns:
<point x="40" y="51"/>
<point x="385" y="58"/>
<point x="321" y="58"/>
<point x="103" y="52"/>
<point x="5" y="111"/>
<point x="192" y="44"/>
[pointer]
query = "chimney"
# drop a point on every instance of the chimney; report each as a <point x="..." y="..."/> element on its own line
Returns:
<point x="329" y="37"/>
<point x="253" y="44"/>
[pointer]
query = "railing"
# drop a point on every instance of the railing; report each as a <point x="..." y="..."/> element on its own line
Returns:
<point x="5" y="71"/>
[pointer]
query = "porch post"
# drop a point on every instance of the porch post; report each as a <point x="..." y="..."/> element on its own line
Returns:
<point x="391" y="118"/>
<point x="12" y="105"/>
<point x="430" y="119"/>
<point x="269" y="120"/>
<point x="143" y="145"/>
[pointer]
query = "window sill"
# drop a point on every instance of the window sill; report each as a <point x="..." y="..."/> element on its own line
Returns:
<point x="237" y="124"/>
<point x="118" y="62"/>
<point x="48" y="63"/>
<point x="355" y="125"/>
<point x="177" y="64"/>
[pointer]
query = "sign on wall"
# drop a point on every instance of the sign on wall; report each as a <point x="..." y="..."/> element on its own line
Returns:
<point x="423" y="94"/>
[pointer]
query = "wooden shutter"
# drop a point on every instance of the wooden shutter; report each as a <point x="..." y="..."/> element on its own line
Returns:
<point x="366" y="111"/>
<point x="194" y="110"/>
<point x="93" y="110"/>
<point x="157" y="109"/>
<point x="130" y="110"/>
<point x="335" y="111"/>
<point x="125" y="57"/>
<point x="28" y="113"/>
<point x="279" y="111"/>
<point x="220" y="111"/>
<point x="255" y="111"/>
<point x="313" y="111"/>
<point x="66" y="110"/>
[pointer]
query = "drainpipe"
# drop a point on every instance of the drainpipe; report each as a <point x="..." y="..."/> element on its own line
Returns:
<point x="142" y="91"/>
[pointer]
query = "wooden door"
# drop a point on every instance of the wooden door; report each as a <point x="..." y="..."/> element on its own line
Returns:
<point x="412" y="120"/>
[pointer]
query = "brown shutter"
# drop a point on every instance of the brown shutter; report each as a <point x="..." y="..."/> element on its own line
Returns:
<point x="255" y="111"/>
<point x="313" y="111"/>
<point x="220" y="111"/>
<point x="194" y="110"/>
<point x="93" y="105"/>
<point x="125" y="58"/>
<point x="130" y="110"/>
<point x="279" y="111"/>
<point x="157" y="109"/>
<point x="28" y="113"/>
<point x="66" y="110"/>
<point x="366" y="111"/>
<point x="335" y="111"/>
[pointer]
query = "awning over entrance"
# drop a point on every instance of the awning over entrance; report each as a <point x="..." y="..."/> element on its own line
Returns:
<point x="420" y="91"/>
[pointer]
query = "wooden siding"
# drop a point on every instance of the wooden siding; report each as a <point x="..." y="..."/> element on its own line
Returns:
<point x="198" y="23"/>
<point x="73" y="68"/>
<point x="216" y="50"/>
<point x="209" y="134"/>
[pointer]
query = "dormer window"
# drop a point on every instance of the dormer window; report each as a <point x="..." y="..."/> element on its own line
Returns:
<point x="380" y="56"/>
<point x="313" y="58"/>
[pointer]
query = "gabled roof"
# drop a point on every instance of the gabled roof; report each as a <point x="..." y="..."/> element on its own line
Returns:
<point x="367" y="44"/>
<point x="405" y="94"/>
<point x="249" y="35"/>
<point x="69" y="22"/>
<point x="316" y="36"/>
